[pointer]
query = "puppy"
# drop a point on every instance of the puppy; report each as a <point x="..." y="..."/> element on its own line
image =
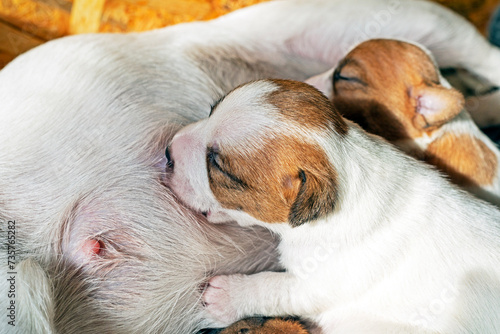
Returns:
<point x="260" y="325"/>
<point x="368" y="234"/>
<point x="394" y="89"/>
<point x="101" y="244"/>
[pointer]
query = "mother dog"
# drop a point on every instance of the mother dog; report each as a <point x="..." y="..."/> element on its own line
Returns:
<point x="92" y="240"/>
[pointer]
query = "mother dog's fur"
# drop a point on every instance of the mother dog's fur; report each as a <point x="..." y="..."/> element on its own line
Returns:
<point x="83" y="125"/>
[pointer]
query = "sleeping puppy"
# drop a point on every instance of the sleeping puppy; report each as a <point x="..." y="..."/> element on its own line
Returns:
<point x="371" y="239"/>
<point x="394" y="89"/>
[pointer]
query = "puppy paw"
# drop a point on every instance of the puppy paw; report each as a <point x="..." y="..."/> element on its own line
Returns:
<point x="221" y="300"/>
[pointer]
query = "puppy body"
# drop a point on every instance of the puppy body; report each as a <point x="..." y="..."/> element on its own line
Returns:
<point x="394" y="89"/>
<point x="101" y="244"/>
<point x="370" y="237"/>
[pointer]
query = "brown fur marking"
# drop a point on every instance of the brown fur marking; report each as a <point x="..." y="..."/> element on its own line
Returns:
<point x="306" y="106"/>
<point x="467" y="160"/>
<point x="266" y="326"/>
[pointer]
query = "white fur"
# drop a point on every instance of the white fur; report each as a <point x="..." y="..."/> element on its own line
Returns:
<point x="83" y="126"/>
<point x="400" y="242"/>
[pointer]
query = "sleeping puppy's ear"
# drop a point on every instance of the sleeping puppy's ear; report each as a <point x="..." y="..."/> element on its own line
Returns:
<point x="435" y="105"/>
<point x="316" y="197"/>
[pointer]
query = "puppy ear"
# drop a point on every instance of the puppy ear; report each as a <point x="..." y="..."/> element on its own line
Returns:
<point x="323" y="82"/>
<point x="435" y="105"/>
<point x="316" y="197"/>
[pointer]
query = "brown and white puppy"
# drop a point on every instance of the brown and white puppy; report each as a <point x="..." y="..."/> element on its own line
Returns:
<point x="394" y="89"/>
<point x="371" y="239"/>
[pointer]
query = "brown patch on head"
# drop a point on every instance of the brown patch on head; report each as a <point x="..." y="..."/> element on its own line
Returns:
<point x="285" y="181"/>
<point x="386" y="86"/>
<point x="266" y="326"/>
<point x="288" y="179"/>
<point x="467" y="160"/>
<point x="307" y="106"/>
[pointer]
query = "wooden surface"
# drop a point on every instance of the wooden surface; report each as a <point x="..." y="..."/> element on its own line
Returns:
<point x="45" y="19"/>
<point x="27" y="23"/>
<point x="85" y="16"/>
<point x="14" y="42"/>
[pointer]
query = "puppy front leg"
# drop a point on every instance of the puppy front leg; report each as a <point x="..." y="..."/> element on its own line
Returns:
<point x="233" y="297"/>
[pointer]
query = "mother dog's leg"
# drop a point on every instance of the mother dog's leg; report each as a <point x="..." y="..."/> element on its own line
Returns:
<point x="322" y="31"/>
<point x="299" y="39"/>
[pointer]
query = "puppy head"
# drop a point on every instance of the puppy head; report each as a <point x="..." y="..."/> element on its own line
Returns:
<point x="260" y="155"/>
<point x="392" y="88"/>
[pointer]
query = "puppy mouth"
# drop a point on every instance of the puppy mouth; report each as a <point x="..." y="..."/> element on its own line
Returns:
<point x="166" y="179"/>
<point x="202" y="215"/>
<point x="197" y="212"/>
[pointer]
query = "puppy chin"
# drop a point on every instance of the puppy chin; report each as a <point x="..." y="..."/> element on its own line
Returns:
<point x="218" y="217"/>
<point x="241" y="217"/>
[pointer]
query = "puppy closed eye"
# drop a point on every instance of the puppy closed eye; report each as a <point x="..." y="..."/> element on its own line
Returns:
<point x="349" y="72"/>
<point x="347" y="77"/>
<point x="214" y="159"/>
<point x="215" y="164"/>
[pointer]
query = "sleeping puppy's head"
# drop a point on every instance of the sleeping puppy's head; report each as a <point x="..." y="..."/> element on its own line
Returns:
<point x="393" y="89"/>
<point x="264" y="155"/>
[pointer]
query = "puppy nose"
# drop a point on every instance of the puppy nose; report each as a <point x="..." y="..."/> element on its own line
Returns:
<point x="170" y="162"/>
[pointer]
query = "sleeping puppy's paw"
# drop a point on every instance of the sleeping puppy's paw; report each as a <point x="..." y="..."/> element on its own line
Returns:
<point x="222" y="298"/>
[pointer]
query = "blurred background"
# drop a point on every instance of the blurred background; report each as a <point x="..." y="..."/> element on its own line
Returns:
<point x="25" y="24"/>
